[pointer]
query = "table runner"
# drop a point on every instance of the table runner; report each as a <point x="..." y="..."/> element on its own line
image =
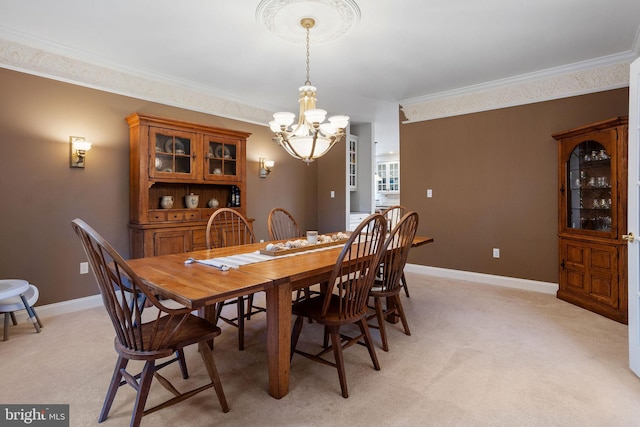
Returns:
<point x="235" y="261"/>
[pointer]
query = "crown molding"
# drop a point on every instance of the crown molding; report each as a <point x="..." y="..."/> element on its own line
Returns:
<point x="63" y="67"/>
<point x="576" y="79"/>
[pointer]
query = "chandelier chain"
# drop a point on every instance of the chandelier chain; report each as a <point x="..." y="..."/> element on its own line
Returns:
<point x="308" y="82"/>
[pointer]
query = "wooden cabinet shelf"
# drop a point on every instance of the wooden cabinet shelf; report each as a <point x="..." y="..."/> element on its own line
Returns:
<point x="592" y="201"/>
<point x="172" y="159"/>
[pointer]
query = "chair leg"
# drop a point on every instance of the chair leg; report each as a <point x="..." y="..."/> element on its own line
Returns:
<point x="37" y="317"/>
<point x="404" y="285"/>
<point x="241" y="316"/>
<point x="13" y="318"/>
<point x="249" y="306"/>
<point x="336" y="342"/>
<point x="32" y="314"/>
<point x="209" y="363"/>
<point x="403" y="318"/>
<point x="364" y="328"/>
<point x="6" y="327"/>
<point x="113" y="388"/>
<point x="295" y="334"/>
<point x="325" y="341"/>
<point x="381" y="321"/>
<point x="183" y="364"/>
<point x="218" y="311"/>
<point x="143" y="392"/>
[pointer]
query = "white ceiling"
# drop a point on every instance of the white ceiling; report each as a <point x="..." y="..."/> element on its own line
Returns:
<point x="399" y="50"/>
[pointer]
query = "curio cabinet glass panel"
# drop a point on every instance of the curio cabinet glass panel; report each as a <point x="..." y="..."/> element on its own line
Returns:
<point x="589" y="187"/>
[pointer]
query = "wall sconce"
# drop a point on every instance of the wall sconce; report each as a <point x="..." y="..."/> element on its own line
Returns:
<point x="78" y="148"/>
<point x="265" y="167"/>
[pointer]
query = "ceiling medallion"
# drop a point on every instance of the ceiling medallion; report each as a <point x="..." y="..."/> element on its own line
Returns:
<point x="333" y="18"/>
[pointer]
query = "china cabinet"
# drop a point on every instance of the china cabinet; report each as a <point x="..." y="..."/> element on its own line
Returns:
<point x="352" y="162"/>
<point x="592" y="203"/>
<point x="180" y="172"/>
<point x="388" y="177"/>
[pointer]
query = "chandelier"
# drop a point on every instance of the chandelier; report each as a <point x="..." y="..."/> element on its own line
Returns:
<point x="310" y="138"/>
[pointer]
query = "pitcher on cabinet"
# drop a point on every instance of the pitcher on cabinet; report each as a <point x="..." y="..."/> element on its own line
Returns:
<point x="166" y="202"/>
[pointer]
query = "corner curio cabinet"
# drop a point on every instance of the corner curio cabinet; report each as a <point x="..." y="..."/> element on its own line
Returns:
<point x="180" y="173"/>
<point x="592" y="201"/>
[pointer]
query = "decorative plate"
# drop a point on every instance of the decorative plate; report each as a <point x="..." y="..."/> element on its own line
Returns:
<point x="171" y="147"/>
<point x="218" y="152"/>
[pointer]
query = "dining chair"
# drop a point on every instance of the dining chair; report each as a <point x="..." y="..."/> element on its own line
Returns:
<point x="166" y="332"/>
<point x="388" y="285"/>
<point x="344" y="300"/>
<point x="283" y="226"/>
<point x="393" y="215"/>
<point x="227" y="227"/>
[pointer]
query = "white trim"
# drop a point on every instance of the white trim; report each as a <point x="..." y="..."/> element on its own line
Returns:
<point x="122" y="81"/>
<point x="488" y="279"/>
<point x="30" y="55"/>
<point x="63" y="307"/>
<point x="573" y="80"/>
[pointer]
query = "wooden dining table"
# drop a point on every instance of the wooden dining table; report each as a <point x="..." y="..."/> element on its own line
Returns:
<point x="200" y="286"/>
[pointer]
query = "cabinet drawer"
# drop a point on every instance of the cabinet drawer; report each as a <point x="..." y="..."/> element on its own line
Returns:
<point x="157" y="216"/>
<point x="175" y="216"/>
<point x="194" y="214"/>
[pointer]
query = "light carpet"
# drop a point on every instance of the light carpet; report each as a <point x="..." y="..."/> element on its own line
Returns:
<point x="478" y="355"/>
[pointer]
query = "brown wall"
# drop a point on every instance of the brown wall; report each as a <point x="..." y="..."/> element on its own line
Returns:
<point x="332" y="176"/>
<point x="494" y="181"/>
<point x="40" y="194"/>
<point x="493" y="175"/>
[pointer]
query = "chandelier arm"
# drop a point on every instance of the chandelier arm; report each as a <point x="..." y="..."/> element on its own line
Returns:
<point x="284" y="142"/>
<point x="313" y="144"/>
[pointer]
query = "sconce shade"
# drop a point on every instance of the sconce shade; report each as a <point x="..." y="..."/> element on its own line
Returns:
<point x="265" y="167"/>
<point x="269" y="164"/>
<point x="78" y="148"/>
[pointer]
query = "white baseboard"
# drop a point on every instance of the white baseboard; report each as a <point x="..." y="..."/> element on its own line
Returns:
<point x="489" y="279"/>
<point x="63" y="307"/>
<point x="66" y="307"/>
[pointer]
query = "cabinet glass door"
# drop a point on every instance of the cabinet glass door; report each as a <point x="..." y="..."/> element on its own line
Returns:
<point x="589" y="179"/>
<point x="388" y="177"/>
<point x="381" y="182"/>
<point x="222" y="160"/>
<point x="172" y="154"/>
<point x="353" y="162"/>
<point x="394" y="176"/>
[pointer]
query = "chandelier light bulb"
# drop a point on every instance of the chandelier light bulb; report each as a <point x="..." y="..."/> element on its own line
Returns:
<point x="315" y="116"/>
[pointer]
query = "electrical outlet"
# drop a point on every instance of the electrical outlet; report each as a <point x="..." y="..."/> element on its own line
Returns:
<point x="84" y="267"/>
<point x="429" y="193"/>
<point x="496" y="252"/>
<point x="333" y="194"/>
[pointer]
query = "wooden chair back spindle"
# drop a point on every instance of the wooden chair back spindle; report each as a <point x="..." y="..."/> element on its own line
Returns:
<point x="227" y="227"/>
<point x="282" y="225"/>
